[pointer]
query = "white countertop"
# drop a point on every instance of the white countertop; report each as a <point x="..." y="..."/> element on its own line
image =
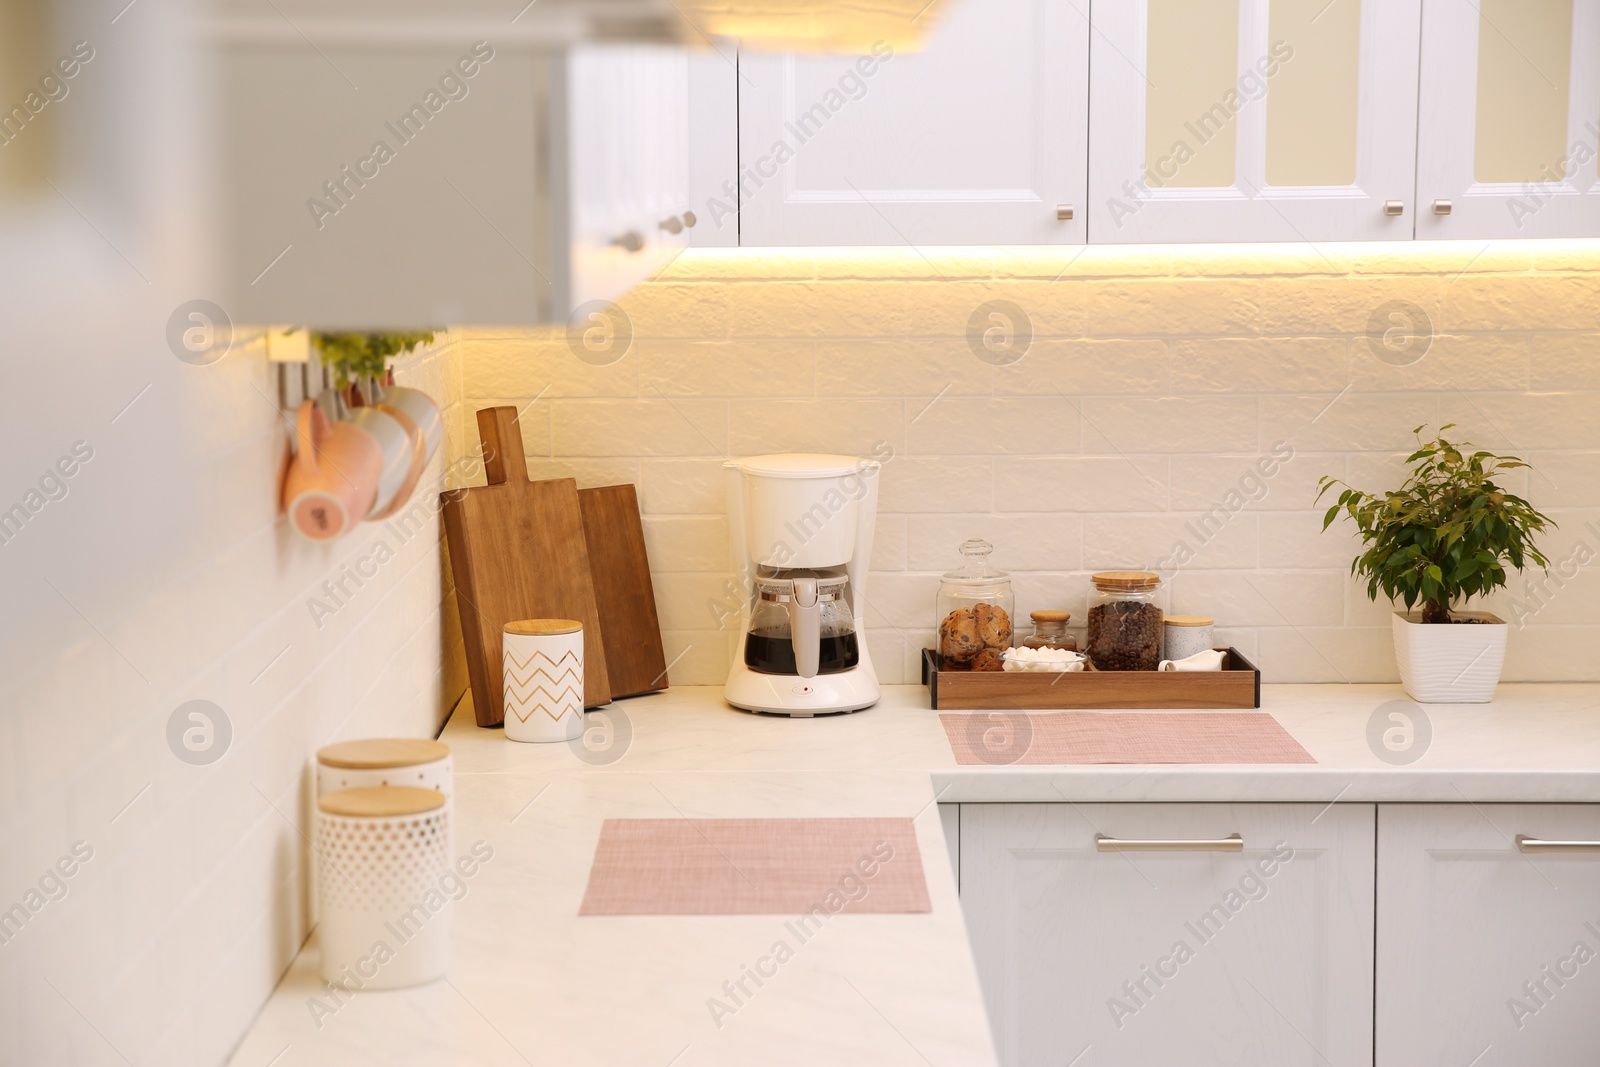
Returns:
<point x="531" y="982"/>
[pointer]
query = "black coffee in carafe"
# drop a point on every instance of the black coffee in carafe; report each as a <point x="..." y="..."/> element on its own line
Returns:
<point x="772" y="652"/>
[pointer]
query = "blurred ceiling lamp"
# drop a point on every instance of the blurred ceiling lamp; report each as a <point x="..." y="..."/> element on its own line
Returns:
<point x="849" y="26"/>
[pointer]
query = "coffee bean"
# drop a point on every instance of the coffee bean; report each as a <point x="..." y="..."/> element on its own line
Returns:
<point x="1125" y="635"/>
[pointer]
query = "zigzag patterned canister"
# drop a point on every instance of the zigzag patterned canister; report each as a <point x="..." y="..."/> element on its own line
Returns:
<point x="543" y="668"/>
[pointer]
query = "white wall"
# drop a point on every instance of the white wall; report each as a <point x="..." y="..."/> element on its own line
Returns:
<point x="164" y="574"/>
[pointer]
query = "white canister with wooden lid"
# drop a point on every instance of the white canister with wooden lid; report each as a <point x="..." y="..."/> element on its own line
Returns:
<point x="384" y="881"/>
<point x="543" y="671"/>
<point x="1184" y="635"/>
<point x="380" y="761"/>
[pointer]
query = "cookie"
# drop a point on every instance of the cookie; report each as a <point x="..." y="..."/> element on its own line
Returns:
<point x="959" y="639"/>
<point x="987" y="660"/>
<point x="994" y="626"/>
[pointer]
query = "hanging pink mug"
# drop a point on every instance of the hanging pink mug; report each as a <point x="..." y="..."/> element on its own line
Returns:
<point x="333" y="477"/>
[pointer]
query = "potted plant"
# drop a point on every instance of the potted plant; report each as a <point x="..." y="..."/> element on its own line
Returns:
<point x="1448" y="533"/>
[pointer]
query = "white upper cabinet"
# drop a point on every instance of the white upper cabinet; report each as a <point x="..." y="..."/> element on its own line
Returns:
<point x="1510" y="119"/>
<point x="1253" y="120"/>
<point x="981" y="138"/>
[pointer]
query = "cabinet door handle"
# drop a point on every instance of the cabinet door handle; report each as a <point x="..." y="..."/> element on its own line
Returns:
<point x="1534" y="844"/>
<point x="1442" y="207"/>
<point x="1063" y="212"/>
<point x="629" y="242"/>
<point x="672" y="224"/>
<point x="1231" y="843"/>
<point x="1393" y="208"/>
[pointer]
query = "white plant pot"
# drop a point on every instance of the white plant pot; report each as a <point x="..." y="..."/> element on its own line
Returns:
<point x="1446" y="663"/>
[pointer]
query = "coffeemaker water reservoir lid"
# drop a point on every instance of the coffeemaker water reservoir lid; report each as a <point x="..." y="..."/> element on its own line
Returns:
<point x="802" y="465"/>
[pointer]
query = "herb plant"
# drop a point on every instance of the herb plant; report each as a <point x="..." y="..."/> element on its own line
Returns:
<point x="362" y="355"/>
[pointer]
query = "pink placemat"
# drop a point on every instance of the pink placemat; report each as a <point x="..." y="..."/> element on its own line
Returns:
<point x="755" y="867"/>
<point x="1000" y="738"/>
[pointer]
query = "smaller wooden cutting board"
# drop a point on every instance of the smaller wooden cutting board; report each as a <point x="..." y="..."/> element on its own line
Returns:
<point x="629" y="626"/>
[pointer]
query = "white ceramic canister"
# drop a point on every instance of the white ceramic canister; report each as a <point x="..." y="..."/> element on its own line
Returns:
<point x="383" y="886"/>
<point x="542" y="661"/>
<point x="376" y="761"/>
<point x="1184" y="635"/>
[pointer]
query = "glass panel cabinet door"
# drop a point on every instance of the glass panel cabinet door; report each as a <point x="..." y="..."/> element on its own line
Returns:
<point x="1510" y="119"/>
<point x="1252" y="120"/>
<point x="980" y="137"/>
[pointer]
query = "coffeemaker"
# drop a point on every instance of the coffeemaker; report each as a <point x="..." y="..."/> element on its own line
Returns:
<point x="800" y="525"/>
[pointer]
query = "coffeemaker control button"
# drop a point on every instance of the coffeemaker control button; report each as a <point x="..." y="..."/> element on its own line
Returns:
<point x="803" y="690"/>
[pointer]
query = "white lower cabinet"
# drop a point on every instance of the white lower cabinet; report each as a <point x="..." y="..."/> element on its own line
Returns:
<point x="1200" y="951"/>
<point x="1488" y="947"/>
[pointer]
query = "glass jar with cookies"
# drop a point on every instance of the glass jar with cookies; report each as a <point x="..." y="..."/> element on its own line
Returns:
<point x="974" y="612"/>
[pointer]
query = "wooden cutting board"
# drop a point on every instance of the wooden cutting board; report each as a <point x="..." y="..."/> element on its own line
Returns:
<point x="629" y="627"/>
<point x="518" y="551"/>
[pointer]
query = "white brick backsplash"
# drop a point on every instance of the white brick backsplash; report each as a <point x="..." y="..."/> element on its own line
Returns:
<point x="1353" y="422"/>
<point x="1295" y="539"/>
<point x="1169" y="424"/>
<point x="1086" y="367"/>
<point x="1261" y="365"/>
<point x="889" y="543"/>
<point x="1169" y="543"/>
<point x="727" y="368"/>
<point x="905" y="601"/>
<point x="659" y="427"/>
<point x="1564" y="361"/>
<point x="941" y="485"/>
<point x="683" y="487"/>
<point x="952" y="425"/>
<point x="851" y="427"/>
<point x="1021" y="542"/>
<point x="544" y="363"/>
<point x="1328" y="654"/>
<point x="912" y="368"/>
<point x="1261" y="598"/>
<point x="1517" y="422"/>
<point x="696" y="657"/>
<point x="687" y="543"/>
<point x="1081" y="483"/>
<point x="1473" y="362"/>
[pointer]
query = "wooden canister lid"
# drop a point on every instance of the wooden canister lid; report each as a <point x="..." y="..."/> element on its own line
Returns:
<point x="1188" y="620"/>
<point x="543" y="627"/>
<point x="380" y="802"/>
<point x="1049" y="615"/>
<point x="381" y="753"/>
<point x="1126" y="579"/>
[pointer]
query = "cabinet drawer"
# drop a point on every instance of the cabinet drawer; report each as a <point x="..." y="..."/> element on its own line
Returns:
<point x="1187" y="947"/>
<point x="1488" y="945"/>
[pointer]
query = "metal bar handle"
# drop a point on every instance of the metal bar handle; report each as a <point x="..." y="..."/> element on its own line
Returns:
<point x="1534" y="844"/>
<point x="1231" y="843"/>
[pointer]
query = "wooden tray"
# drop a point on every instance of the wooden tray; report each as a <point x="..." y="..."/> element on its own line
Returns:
<point x="1237" y="685"/>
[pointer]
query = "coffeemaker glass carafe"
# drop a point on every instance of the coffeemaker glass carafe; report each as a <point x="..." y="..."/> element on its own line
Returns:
<point x="801" y="625"/>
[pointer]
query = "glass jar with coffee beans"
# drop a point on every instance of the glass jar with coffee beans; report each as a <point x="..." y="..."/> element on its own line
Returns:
<point x="1125" y="621"/>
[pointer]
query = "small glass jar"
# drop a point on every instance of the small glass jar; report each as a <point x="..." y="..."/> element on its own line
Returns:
<point x="1125" y="621"/>
<point x="974" y="612"/>
<point x="1050" y="631"/>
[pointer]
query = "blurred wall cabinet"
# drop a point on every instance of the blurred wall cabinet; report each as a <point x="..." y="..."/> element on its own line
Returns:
<point x="1363" y="935"/>
<point x="392" y="183"/>
<point x="1135" y="121"/>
